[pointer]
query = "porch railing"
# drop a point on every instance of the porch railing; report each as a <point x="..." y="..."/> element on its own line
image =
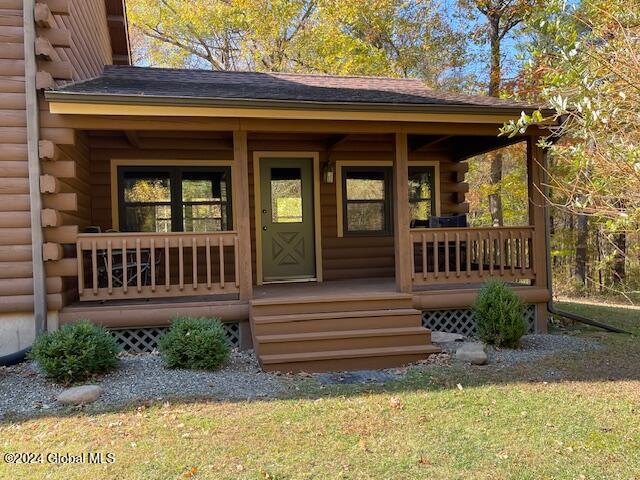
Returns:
<point x="148" y="265"/>
<point x="469" y="255"/>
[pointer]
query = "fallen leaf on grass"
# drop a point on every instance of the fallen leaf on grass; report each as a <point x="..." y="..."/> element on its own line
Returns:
<point x="191" y="472"/>
<point x="394" y="402"/>
<point x="364" y="447"/>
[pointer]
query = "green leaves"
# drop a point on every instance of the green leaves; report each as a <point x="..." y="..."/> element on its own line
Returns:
<point x="198" y="343"/>
<point x="75" y="352"/>
<point x="381" y="37"/>
<point x="499" y="315"/>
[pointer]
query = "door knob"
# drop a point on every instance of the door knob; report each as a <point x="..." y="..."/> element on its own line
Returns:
<point x="264" y="210"/>
<point x="264" y="228"/>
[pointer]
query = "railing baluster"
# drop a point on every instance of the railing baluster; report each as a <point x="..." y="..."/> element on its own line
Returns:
<point x="167" y="263"/>
<point x="125" y="267"/>
<point x="180" y="264"/>
<point x="194" y="256"/>
<point x="469" y="254"/>
<point x="109" y="267"/>
<point x="435" y="255"/>
<point x="80" y="256"/>
<point x="491" y="253"/>
<point x="94" y="267"/>
<point x="221" y="255"/>
<point x="152" y="245"/>
<point x="512" y="253"/>
<point x="138" y="266"/>
<point x="457" y="254"/>
<point x="207" y="247"/>
<point x="481" y="252"/>
<point x="500" y="251"/>
<point x="424" y="256"/>
<point x="532" y="249"/>
<point x="446" y="254"/>
<point x="522" y="264"/>
<point x="236" y="249"/>
<point x="412" y="249"/>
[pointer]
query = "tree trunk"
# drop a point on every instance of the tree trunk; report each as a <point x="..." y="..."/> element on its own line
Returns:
<point x="619" y="257"/>
<point x="495" y="74"/>
<point x="599" y="256"/>
<point x="582" y="237"/>
<point x="495" y="198"/>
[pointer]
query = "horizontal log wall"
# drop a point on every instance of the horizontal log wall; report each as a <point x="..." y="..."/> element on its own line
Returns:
<point x="348" y="257"/>
<point x="73" y="44"/>
<point x="357" y="257"/>
<point x="16" y="283"/>
<point x="89" y="43"/>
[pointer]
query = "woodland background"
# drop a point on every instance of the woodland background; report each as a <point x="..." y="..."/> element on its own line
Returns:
<point x="579" y="57"/>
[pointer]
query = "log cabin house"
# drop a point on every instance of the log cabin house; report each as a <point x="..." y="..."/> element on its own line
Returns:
<point x="322" y="219"/>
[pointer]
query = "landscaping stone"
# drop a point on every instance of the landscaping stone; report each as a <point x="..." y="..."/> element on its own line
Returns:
<point x="446" y="337"/>
<point x="472" y="352"/>
<point x="80" y="395"/>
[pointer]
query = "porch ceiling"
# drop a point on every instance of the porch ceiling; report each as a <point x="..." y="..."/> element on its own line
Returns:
<point x="457" y="147"/>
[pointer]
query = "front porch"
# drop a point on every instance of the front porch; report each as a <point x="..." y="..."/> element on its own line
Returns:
<point x="363" y="281"/>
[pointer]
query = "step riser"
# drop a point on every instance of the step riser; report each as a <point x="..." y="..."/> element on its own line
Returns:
<point x="346" y="364"/>
<point x="344" y="344"/>
<point x="336" y="324"/>
<point x="331" y="306"/>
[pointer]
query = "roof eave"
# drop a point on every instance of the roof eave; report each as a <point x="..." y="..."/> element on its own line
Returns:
<point x="113" y="99"/>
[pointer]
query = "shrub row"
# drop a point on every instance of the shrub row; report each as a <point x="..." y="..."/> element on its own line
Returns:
<point x="79" y="351"/>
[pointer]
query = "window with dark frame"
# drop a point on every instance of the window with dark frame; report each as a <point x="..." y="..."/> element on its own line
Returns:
<point x="178" y="199"/>
<point x="367" y="201"/>
<point x="421" y="195"/>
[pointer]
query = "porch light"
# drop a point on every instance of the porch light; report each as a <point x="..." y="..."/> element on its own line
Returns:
<point x="329" y="172"/>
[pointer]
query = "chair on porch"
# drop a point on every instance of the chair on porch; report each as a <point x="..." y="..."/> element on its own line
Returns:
<point x="118" y="263"/>
<point x="444" y="221"/>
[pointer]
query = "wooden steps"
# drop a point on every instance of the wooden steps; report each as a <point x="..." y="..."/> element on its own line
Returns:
<point x="338" y="332"/>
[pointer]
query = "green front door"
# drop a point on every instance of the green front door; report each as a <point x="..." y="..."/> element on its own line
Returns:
<point x="286" y="212"/>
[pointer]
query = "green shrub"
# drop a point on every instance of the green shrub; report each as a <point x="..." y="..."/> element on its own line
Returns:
<point x="499" y="314"/>
<point x="75" y="352"/>
<point x="198" y="343"/>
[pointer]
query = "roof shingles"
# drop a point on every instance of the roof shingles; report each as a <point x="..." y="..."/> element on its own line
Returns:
<point x="144" y="82"/>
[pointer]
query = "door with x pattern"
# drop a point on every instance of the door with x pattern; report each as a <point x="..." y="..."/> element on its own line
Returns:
<point x="286" y="191"/>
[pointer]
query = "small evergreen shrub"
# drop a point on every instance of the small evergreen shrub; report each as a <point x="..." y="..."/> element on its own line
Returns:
<point x="198" y="343"/>
<point x="499" y="315"/>
<point x="75" y="352"/>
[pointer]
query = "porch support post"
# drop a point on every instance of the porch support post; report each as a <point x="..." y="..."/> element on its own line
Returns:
<point x="403" y="254"/>
<point x="240" y="202"/>
<point x="536" y="172"/>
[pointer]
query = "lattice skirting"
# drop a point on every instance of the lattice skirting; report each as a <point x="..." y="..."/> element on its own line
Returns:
<point x="462" y="321"/>
<point x="138" y="340"/>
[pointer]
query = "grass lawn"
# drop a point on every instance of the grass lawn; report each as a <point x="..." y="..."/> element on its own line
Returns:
<point x="572" y="417"/>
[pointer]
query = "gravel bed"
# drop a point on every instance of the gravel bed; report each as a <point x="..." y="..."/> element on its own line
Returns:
<point x="138" y="378"/>
<point x="532" y="347"/>
<point x="535" y="347"/>
<point x="24" y="390"/>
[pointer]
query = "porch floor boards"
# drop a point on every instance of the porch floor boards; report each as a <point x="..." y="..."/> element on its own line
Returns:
<point x="351" y="286"/>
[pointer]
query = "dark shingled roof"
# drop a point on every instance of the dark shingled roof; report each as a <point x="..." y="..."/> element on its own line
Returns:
<point x="205" y="86"/>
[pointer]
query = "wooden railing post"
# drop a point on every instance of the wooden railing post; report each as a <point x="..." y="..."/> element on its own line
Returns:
<point x="536" y="168"/>
<point x="401" y="218"/>
<point x="240" y="193"/>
